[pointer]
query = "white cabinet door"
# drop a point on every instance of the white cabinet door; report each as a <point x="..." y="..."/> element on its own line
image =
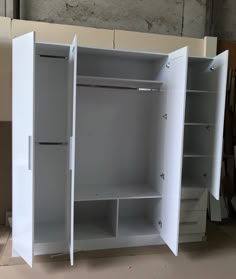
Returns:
<point x="23" y="146"/>
<point x="220" y="68"/>
<point x="72" y="92"/>
<point x="175" y="86"/>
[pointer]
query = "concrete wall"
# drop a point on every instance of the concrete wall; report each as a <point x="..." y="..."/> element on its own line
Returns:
<point x="224" y="19"/>
<point x="170" y="17"/>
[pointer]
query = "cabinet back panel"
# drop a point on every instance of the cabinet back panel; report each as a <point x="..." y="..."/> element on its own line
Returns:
<point x="198" y="140"/>
<point x="194" y="170"/>
<point x="200" y="77"/>
<point x="50" y="183"/>
<point x="200" y="107"/>
<point x="90" y="211"/>
<point x="51" y="99"/>
<point x="113" y="136"/>
<point x="139" y="211"/>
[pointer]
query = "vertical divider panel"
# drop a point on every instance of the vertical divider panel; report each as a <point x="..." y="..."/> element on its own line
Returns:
<point x="117" y="218"/>
<point x="113" y="216"/>
<point x="23" y="146"/>
<point x="72" y="74"/>
<point x="220" y="68"/>
<point x="175" y="79"/>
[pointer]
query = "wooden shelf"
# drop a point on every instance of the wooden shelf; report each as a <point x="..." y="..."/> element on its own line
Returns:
<point x="141" y="85"/>
<point x="108" y="192"/>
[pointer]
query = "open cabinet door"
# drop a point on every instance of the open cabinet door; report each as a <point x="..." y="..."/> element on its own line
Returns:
<point x="175" y="85"/>
<point x="23" y="147"/>
<point x="220" y="68"/>
<point x="72" y="92"/>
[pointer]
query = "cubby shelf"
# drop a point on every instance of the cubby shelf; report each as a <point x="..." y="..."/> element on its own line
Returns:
<point x="136" y="226"/>
<point x="118" y="82"/>
<point x="92" y="230"/>
<point x="107" y="192"/>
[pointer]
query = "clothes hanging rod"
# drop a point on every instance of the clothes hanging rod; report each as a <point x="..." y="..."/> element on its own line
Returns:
<point x="52" y="143"/>
<point x="120" y="87"/>
<point x="53" y="56"/>
<point x="119" y="83"/>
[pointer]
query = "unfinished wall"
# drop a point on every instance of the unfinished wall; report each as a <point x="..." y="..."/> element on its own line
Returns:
<point x="224" y="19"/>
<point x="170" y="17"/>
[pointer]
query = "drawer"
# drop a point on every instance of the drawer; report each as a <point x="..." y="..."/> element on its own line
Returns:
<point x="194" y="199"/>
<point x="192" y="222"/>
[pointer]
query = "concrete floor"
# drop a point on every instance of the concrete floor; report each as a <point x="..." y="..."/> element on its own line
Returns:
<point x="215" y="258"/>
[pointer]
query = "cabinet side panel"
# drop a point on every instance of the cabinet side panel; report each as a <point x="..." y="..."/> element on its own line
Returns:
<point x="23" y="148"/>
<point x="72" y="73"/>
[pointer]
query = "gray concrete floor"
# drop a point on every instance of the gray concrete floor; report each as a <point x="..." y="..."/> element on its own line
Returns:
<point x="215" y="258"/>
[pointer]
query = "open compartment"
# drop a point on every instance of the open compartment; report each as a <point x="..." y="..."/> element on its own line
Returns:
<point x="138" y="217"/>
<point x="200" y="75"/>
<point x="95" y="219"/>
<point x="119" y="137"/>
<point x="50" y="193"/>
<point x="51" y="143"/>
<point x="51" y="93"/>
<point x="125" y="137"/>
<point x="103" y="67"/>
<point x="200" y="108"/>
<point x="198" y="140"/>
<point x="196" y="172"/>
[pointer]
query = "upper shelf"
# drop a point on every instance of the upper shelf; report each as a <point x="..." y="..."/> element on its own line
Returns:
<point x="142" y="85"/>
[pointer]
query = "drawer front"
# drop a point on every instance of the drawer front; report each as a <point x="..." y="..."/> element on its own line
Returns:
<point x="192" y="222"/>
<point x="195" y="199"/>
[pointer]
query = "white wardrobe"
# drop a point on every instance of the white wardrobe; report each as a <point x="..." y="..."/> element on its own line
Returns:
<point x="103" y="142"/>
